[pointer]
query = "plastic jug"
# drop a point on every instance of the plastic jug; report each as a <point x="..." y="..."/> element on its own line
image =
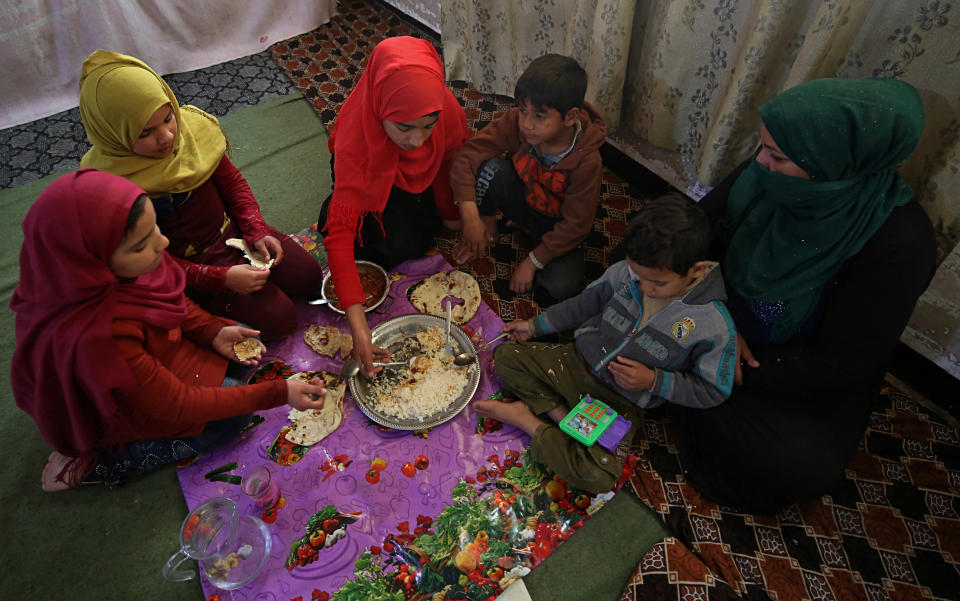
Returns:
<point x="231" y="549"/>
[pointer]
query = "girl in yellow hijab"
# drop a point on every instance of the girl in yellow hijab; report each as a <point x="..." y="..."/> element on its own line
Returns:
<point x="178" y="154"/>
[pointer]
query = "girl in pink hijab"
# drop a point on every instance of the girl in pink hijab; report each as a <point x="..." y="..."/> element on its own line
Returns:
<point x="119" y="370"/>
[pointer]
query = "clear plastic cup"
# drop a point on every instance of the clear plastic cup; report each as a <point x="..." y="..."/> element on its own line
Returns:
<point x="260" y="486"/>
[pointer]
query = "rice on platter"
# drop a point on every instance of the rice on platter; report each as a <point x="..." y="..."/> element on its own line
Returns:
<point x="423" y="389"/>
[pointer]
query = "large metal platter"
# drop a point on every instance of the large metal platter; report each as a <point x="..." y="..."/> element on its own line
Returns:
<point x="388" y="335"/>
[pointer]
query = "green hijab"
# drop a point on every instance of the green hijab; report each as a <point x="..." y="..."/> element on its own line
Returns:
<point x="791" y="235"/>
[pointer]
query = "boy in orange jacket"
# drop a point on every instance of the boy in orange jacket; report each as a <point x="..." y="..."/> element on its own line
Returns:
<point x="539" y="164"/>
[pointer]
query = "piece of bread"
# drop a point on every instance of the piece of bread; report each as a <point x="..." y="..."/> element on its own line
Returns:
<point x="313" y="425"/>
<point x="255" y="258"/>
<point x="428" y="296"/>
<point x="248" y="348"/>
<point x="327" y="340"/>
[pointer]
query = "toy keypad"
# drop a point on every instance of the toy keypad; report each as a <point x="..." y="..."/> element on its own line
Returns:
<point x="588" y="420"/>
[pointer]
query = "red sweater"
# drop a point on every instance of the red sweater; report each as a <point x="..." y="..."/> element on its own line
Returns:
<point x="222" y="207"/>
<point x="341" y="236"/>
<point x="178" y="378"/>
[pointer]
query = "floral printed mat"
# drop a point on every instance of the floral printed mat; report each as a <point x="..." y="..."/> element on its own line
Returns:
<point x="374" y="514"/>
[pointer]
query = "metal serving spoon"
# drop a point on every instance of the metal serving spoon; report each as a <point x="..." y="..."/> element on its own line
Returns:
<point x="351" y="368"/>
<point x="468" y="358"/>
<point x="323" y="301"/>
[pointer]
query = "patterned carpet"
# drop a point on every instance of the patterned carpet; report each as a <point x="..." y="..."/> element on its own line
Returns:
<point x="891" y="531"/>
<point x="56" y="143"/>
<point x="325" y="64"/>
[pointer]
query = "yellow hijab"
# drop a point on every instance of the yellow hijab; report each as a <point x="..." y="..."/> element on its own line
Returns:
<point x="118" y="95"/>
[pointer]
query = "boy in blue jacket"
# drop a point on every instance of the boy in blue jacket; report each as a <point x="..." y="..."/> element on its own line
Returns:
<point x="652" y="329"/>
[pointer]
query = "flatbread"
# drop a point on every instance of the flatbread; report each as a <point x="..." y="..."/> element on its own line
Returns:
<point x="313" y="425"/>
<point x="248" y="348"/>
<point x="255" y="258"/>
<point x="328" y="340"/>
<point x="428" y="296"/>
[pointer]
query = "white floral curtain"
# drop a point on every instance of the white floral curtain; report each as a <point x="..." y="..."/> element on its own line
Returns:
<point x="679" y="82"/>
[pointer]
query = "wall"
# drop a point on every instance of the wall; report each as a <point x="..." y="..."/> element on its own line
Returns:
<point x="425" y="11"/>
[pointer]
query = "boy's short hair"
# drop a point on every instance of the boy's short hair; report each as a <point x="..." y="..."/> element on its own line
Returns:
<point x="552" y="81"/>
<point x="671" y="232"/>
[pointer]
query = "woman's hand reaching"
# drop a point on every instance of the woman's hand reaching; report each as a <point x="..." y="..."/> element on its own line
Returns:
<point x="306" y="395"/>
<point x="244" y="279"/>
<point x="229" y="335"/>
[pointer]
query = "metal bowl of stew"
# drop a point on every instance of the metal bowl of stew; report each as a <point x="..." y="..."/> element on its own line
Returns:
<point x="373" y="278"/>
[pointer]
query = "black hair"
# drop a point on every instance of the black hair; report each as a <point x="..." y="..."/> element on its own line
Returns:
<point x="136" y="212"/>
<point x="552" y="81"/>
<point x="670" y="232"/>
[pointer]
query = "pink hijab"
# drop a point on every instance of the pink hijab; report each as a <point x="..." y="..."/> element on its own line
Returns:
<point x="67" y="372"/>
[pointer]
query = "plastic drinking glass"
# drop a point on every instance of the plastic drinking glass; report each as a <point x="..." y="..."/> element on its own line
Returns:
<point x="259" y="485"/>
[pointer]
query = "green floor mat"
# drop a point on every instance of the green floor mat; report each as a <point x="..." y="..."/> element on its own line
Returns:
<point x="96" y="543"/>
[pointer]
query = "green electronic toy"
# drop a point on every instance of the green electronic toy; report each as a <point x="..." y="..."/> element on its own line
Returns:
<point x="588" y="420"/>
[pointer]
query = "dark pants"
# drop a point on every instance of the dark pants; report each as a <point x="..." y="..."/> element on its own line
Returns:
<point x="544" y="376"/>
<point x="142" y="456"/>
<point x="499" y="188"/>
<point x="759" y="452"/>
<point x="410" y="221"/>
<point x="270" y="309"/>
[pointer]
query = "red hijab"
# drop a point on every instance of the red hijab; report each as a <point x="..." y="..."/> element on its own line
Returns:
<point x="403" y="81"/>
<point x="67" y="373"/>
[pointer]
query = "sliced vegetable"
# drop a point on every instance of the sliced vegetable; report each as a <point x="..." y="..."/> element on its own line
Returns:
<point x="227" y="467"/>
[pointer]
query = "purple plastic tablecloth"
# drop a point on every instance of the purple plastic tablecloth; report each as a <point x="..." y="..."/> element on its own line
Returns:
<point x="453" y="449"/>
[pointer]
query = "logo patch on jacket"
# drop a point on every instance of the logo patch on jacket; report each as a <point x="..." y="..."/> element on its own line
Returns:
<point x="682" y="328"/>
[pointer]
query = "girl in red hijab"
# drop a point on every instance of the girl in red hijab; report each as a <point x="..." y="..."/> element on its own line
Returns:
<point x="119" y="370"/>
<point x="392" y="144"/>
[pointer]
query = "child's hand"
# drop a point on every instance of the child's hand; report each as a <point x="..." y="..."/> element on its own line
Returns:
<point x="630" y="374"/>
<point x="519" y="330"/>
<point x="270" y="248"/>
<point x="303" y="395"/>
<point x="744" y="355"/>
<point x="229" y="335"/>
<point x="476" y="239"/>
<point x="522" y="280"/>
<point x="245" y="279"/>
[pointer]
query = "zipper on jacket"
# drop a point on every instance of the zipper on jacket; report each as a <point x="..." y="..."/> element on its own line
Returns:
<point x="638" y="297"/>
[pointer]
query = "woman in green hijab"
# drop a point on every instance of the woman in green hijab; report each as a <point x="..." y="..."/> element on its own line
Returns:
<point x="824" y="255"/>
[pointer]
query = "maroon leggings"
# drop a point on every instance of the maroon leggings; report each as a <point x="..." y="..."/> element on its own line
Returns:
<point x="270" y="309"/>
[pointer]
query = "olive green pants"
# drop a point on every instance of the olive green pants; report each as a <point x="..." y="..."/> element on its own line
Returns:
<point x="544" y="376"/>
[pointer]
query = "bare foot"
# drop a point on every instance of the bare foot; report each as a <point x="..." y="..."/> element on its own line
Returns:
<point x="48" y="478"/>
<point x="516" y="414"/>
